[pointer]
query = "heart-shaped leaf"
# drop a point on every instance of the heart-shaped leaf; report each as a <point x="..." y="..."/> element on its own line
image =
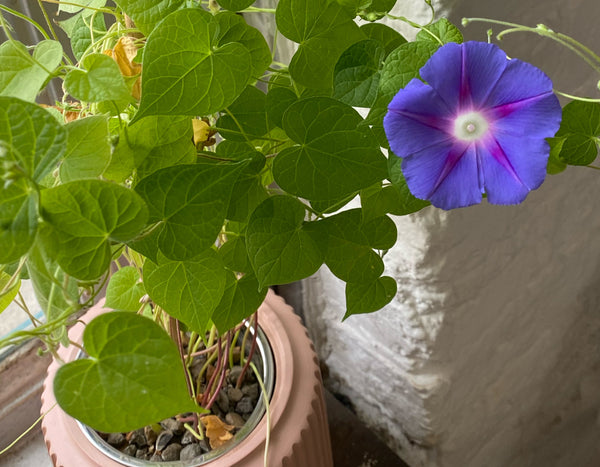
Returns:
<point x="580" y="131"/>
<point x="241" y="298"/>
<point x="332" y="158"/>
<point x="23" y="75"/>
<point x="133" y="376"/>
<point x="280" y="249"/>
<point x="99" y="81"/>
<point x="323" y="30"/>
<point x="246" y="118"/>
<point x="191" y="202"/>
<point x="369" y="296"/>
<point x="148" y="13"/>
<point x="350" y="241"/>
<point x="235" y="5"/>
<point x="185" y="72"/>
<point x="82" y="217"/>
<point x="356" y="75"/>
<point x="88" y="148"/>
<point x="80" y="35"/>
<point x="442" y="30"/>
<point x="31" y="142"/>
<point x="389" y="38"/>
<point x="187" y="290"/>
<point x="125" y="290"/>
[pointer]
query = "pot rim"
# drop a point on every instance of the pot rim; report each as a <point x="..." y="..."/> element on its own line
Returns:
<point x="268" y="375"/>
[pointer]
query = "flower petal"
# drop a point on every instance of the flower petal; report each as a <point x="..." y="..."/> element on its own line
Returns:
<point x="519" y="81"/>
<point x="416" y="119"/>
<point x="502" y="180"/>
<point x="537" y="117"/>
<point x="465" y="74"/>
<point x="447" y="175"/>
<point x="527" y="156"/>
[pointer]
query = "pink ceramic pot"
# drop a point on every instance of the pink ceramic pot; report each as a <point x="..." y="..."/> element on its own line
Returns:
<point x="299" y="430"/>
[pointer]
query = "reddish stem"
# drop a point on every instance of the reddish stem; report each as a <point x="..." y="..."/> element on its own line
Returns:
<point x="222" y="377"/>
<point x="206" y="395"/>
<point x="238" y="384"/>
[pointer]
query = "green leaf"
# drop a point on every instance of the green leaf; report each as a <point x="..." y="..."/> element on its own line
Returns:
<point x="280" y="249"/>
<point x="393" y="199"/>
<point x="332" y="158"/>
<point x="350" y="242"/>
<point x="125" y="290"/>
<point x="246" y="118"/>
<point x="57" y="293"/>
<point x="400" y="67"/>
<point x="31" y="142"/>
<point x="187" y="290"/>
<point x="580" y="128"/>
<point x="191" y="202"/>
<point x="323" y="31"/>
<point x="240" y="300"/>
<point x="88" y="148"/>
<point x="82" y="218"/>
<point x="133" y="376"/>
<point x="443" y="30"/>
<point x="370" y="296"/>
<point x="278" y="101"/>
<point x="235" y="5"/>
<point x="185" y="72"/>
<point x="233" y="29"/>
<point x="146" y="14"/>
<point x="235" y="255"/>
<point x="152" y="144"/>
<point x="555" y="163"/>
<point x="386" y="36"/>
<point x="37" y="141"/>
<point x="23" y="75"/>
<point x="7" y="297"/>
<point x="81" y="6"/>
<point x="99" y="80"/>
<point x="356" y="75"/>
<point x="81" y="37"/>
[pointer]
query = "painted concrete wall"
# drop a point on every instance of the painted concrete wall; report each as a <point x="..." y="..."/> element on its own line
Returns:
<point x="489" y="355"/>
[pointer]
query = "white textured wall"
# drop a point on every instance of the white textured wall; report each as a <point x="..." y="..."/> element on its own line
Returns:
<point x="490" y="353"/>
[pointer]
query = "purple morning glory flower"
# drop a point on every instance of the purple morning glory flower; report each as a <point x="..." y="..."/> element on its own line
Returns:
<point x="478" y="126"/>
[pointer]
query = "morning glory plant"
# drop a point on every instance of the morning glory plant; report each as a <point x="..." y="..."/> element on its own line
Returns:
<point x="479" y="126"/>
<point x="189" y="170"/>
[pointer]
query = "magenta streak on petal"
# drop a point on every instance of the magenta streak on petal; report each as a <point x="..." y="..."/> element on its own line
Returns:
<point x="504" y="110"/>
<point x="427" y="120"/>
<point x="464" y="101"/>
<point x="498" y="153"/>
<point x="454" y="155"/>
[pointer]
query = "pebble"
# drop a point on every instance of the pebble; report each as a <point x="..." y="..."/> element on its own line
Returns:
<point x="234" y="394"/>
<point x="156" y="458"/>
<point x="163" y="439"/>
<point x="245" y="405"/>
<point x="223" y="401"/>
<point x="171" y="452"/>
<point x="191" y="451"/>
<point x="130" y="450"/>
<point x="116" y="439"/>
<point x="187" y="438"/>
<point x="173" y="425"/>
<point x="150" y="434"/>
<point x="142" y="453"/>
<point x="234" y="419"/>
<point x="137" y="437"/>
<point x="234" y="374"/>
<point x="251" y="390"/>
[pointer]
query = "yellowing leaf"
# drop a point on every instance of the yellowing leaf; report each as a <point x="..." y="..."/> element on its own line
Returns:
<point x="123" y="53"/>
<point x="217" y="431"/>
<point x="201" y="131"/>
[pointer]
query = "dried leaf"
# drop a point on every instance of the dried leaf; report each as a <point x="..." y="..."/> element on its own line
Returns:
<point x="123" y="53"/>
<point x="201" y="131"/>
<point x="217" y="431"/>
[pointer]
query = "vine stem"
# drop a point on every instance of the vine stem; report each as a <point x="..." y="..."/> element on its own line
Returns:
<point x="176" y="329"/>
<point x="238" y="383"/>
<point x="578" y="48"/>
<point x="25" y="18"/>
<point x="223" y="358"/>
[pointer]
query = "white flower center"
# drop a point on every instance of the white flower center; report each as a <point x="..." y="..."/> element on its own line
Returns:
<point x="470" y="126"/>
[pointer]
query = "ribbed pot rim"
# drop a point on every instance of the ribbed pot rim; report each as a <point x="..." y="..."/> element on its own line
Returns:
<point x="268" y="375"/>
